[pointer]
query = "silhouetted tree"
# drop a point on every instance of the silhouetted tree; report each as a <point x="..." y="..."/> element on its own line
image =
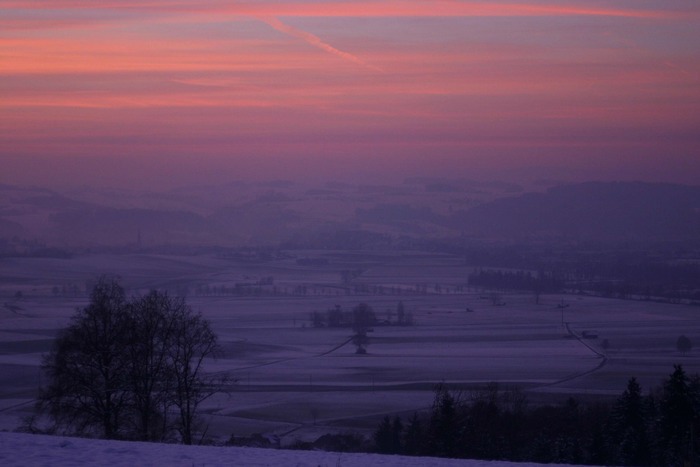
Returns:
<point x="334" y="316"/>
<point x="443" y="430"/>
<point x="629" y="426"/>
<point x="362" y="320"/>
<point x="396" y="431"/>
<point x="598" y="452"/>
<point x="120" y="366"/>
<point x="193" y="342"/>
<point x="383" y="436"/>
<point x="88" y="367"/>
<point x="316" y="319"/>
<point x="678" y="414"/>
<point x="413" y="437"/>
<point x="153" y="320"/>
<point x="483" y="430"/>
<point x="400" y="313"/>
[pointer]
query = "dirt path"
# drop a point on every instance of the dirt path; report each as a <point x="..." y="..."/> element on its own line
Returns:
<point x="14" y="309"/>
<point x="283" y="360"/>
<point x="602" y="356"/>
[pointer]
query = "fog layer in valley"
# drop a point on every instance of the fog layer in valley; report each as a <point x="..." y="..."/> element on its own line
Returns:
<point x="556" y="290"/>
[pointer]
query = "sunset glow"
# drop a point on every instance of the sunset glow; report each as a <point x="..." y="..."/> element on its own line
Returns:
<point x="166" y="92"/>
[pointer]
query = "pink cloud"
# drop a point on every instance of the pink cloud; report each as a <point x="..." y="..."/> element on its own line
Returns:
<point x="423" y="8"/>
<point x="159" y="79"/>
<point x="316" y="42"/>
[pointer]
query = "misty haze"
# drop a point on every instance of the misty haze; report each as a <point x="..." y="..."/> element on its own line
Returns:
<point x="437" y="229"/>
<point x="551" y="292"/>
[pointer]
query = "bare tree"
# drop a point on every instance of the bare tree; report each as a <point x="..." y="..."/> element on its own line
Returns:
<point x="363" y="318"/>
<point x="401" y="314"/>
<point x="87" y="365"/>
<point x="193" y="342"/>
<point x="122" y="367"/>
<point x="153" y="322"/>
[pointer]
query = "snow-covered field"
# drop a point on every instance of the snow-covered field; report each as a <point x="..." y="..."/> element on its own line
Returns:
<point x="298" y="383"/>
<point x="18" y="449"/>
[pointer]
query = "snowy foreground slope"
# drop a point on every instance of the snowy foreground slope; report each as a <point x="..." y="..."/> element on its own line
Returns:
<point x="19" y="449"/>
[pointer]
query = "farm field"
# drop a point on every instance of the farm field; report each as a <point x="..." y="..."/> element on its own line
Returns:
<point x="299" y="382"/>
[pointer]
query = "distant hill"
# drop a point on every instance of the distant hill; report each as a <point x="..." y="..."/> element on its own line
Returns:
<point x="260" y="221"/>
<point x="99" y="225"/>
<point x="611" y="211"/>
<point x="57" y="220"/>
<point x="359" y="217"/>
<point x="10" y="229"/>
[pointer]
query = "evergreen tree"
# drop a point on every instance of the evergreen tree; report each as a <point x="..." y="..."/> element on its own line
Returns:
<point x="629" y="426"/>
<point x="383" y="436"/>
<point x="677" y="416"/>
<point x="396" y="441"/>
<point x="413" y="437"/>
<point x="443" y="429"/>
<point x="598" y="447"/>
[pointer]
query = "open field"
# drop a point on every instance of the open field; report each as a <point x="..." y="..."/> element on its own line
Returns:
<point x="299" y="382"/>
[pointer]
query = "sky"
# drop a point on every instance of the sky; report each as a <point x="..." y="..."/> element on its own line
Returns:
<point x="163" y="93"/>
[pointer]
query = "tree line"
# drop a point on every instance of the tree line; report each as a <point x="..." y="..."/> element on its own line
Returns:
<point x="647" y="272"/>
<point x="659" y="429"/>
<point x="337" y="317"/>
<point x="129" y="368"/>
<point x="542" y="282"/>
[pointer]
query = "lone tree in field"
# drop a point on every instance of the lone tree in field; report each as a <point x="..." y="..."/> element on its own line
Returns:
<point x="122" y="368"/>
<point x="683" y="344"/>
<point x="362" y="320"/>
<point x="400" y="314"/>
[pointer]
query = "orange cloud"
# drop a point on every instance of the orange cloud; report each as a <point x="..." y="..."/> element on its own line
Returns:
<point x="134" y="54"/>
<point x="162" y="77"/>
<point x="433" y="8"/>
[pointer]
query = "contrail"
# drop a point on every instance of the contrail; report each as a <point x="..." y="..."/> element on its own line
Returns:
<point x="316" y="42"/>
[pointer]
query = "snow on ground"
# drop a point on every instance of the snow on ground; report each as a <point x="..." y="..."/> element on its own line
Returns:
<point x="19" y="449"/>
